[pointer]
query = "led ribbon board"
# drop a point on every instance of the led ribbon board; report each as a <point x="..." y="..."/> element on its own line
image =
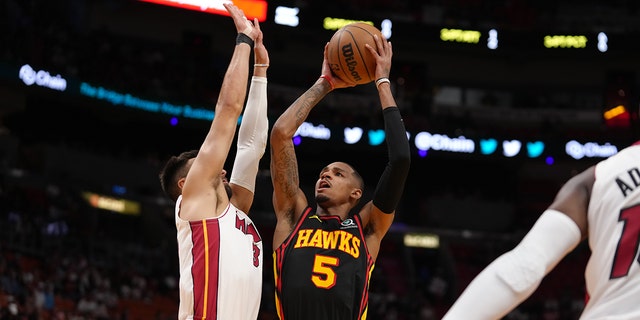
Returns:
<point x="251" y="8"/>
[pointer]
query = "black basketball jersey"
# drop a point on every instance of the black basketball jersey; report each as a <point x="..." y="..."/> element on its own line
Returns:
<point x="322" y="270"/>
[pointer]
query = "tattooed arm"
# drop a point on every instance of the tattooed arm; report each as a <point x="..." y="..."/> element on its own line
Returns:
<point x="288" y="199"/>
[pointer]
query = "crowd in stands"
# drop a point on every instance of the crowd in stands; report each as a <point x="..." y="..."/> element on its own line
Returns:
<point x="61" y="258"/>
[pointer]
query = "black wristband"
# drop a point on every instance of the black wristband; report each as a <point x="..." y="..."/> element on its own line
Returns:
<point x="243" y="38"/>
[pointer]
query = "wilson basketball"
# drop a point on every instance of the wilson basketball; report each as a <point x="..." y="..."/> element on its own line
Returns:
<point x="348" y="57"/>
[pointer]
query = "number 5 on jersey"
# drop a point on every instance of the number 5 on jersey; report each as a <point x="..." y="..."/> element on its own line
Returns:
<point x="323" y="275"/>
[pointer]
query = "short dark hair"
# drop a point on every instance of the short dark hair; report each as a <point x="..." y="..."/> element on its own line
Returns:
<point x="175" y="169"/>
<point x="358" y="177"/>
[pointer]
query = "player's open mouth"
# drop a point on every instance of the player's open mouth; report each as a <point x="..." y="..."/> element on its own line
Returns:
<point x="324" y="184"/>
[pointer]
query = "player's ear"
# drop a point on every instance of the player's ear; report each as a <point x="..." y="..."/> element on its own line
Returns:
<point x="181" y="182"/>
<point x="356" y="193"/>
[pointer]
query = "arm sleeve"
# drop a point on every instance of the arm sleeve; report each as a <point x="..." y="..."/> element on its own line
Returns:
<point x="391" y="184"/>
<point x="515" y="275"/>
<point x="252" y="136"/>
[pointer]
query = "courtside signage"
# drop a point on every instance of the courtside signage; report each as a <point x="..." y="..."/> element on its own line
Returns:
<point x="424" y="142"/>
<point x="421" y="240"/>
<point x="459" y="35"/>
<point x="578" y="150"/>
<point x="41" y="78"/>
<point x="118" y="205"/>
<point x="128" y="100"/>
<point x="309" y="130"/>
<point x="336" y="23"/>
<point x="565" y="41"/>
<point x="442" y="142"/>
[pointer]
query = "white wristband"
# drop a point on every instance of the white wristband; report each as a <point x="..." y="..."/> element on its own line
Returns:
<point x="381" y="81"/>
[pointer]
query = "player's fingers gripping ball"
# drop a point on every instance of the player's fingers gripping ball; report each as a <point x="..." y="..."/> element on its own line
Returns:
<point x="348" y="57"/>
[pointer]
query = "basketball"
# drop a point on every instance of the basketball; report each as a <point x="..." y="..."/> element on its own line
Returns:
<point x="348" y="57"/>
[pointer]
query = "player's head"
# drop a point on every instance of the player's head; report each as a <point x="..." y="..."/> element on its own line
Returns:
<point x="175" y="171"/>
<point x="339" y="182"/>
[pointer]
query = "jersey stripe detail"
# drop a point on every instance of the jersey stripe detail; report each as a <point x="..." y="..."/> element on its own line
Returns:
<point x="205" y="274"/>
<point x="364" y="302"/>
<point x="278" y="255"/>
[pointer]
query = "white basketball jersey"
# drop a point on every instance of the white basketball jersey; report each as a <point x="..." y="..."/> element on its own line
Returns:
<point x="613" y="271"/>
<point x="220" y="267"/>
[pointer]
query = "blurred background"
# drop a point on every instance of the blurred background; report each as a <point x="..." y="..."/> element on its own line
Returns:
<point x="503" y="101"/>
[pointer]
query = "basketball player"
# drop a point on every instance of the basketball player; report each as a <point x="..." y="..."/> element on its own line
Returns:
<point x="220" y="250"/>
<point x="324" y="256"/>
<point x="601" y="203"/>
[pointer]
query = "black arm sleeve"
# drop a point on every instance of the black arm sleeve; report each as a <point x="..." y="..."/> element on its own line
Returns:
<point x="391" y="184"/>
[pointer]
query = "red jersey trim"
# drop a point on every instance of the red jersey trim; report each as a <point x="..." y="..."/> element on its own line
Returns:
<point x="205" y="268"/>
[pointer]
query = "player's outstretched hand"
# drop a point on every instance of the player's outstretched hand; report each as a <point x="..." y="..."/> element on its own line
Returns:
<point x="261" y="55"/>
<point x="383" y="56"/>
<point x="243" y="25"/>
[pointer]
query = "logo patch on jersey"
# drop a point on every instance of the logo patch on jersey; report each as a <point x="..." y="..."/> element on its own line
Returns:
<point x="348" y="224"/>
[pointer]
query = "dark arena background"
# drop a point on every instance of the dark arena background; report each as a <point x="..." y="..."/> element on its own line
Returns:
<point x="503" y="101"/>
